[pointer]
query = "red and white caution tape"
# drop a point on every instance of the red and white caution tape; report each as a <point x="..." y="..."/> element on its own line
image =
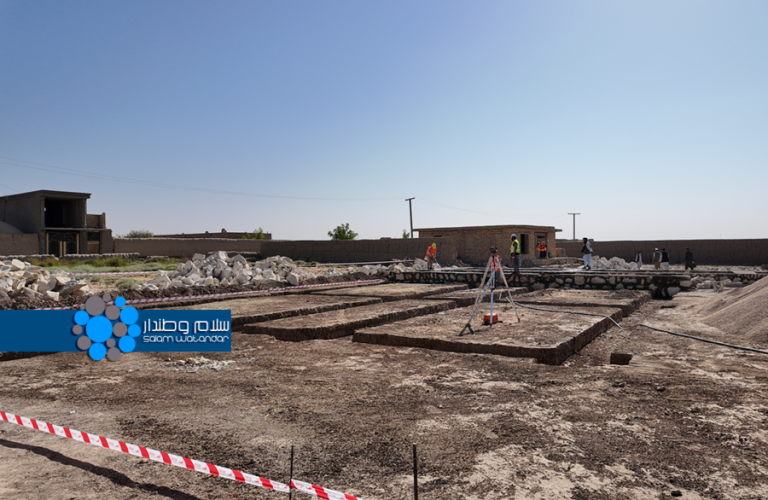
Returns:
<point x="226" y="294"/>
<point x="114" y="273"/>
<point x="356" y="263"/>
<point x="321" y="492"/>
<point x="148" y="453"/>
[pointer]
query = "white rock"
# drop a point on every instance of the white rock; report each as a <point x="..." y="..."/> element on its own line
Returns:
<point x="294" y="279"/>
<point x="239" y="259"/>
<point x="198" y="256"/>
<point x="220" y="255"/>
<point x="17" y="265"/>
<point x="29" y="293"/>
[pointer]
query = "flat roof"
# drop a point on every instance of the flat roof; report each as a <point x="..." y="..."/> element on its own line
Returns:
<point x="504" y="226"/>
<point x="49" y="194"/>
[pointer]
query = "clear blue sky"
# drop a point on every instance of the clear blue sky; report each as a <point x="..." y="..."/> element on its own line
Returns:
<point x="648" y="117"/>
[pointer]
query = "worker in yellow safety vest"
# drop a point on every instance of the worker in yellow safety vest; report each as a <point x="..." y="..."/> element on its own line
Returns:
<point x="431" y="256"/>
<point x="514" y="258"/>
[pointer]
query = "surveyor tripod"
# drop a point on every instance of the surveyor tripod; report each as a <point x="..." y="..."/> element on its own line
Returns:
<point x="494" y="268"/>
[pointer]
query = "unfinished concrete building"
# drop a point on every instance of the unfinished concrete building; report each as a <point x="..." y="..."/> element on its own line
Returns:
<point x="58" y="220"/>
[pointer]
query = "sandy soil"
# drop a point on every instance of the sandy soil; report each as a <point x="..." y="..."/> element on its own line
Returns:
<point x="683" y="416"/>
<point x="396" y="291"/>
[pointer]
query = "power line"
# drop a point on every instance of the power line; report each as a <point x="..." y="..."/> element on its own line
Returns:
<point x="9" y="187"/>
<point x="83" y="173"/>
<point x="430" y="202"/>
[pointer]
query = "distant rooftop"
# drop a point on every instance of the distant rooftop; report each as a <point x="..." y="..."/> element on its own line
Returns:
<point x="49" y="194"/>
<point x="503" y="226"/>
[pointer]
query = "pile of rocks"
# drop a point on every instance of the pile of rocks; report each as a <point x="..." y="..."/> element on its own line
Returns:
<point x="19" y="279"/>
<point x="191" y="365"/>
<point x="418" y="265"/>
<point x="612" y="264"/>
<point x="220" y="269"/>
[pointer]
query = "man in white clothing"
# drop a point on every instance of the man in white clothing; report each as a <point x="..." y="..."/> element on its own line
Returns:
<point x="587" y="251"/>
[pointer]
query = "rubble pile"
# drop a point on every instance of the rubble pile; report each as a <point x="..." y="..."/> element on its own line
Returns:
<point x="220" y="269"/>
<point x="743" y="277"/>
<point x="19" y="279"/>
<point x="191" y="365"/>
<point x="418" y="265"/>
<point x="613" y="264"/>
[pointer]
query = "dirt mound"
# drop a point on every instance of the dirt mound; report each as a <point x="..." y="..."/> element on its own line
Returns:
<point x="742" y="313"/>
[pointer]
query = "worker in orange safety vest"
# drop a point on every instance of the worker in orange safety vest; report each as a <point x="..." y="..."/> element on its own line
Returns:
<point x="431" y="256"/>
<point x="495" y="267"/>
<point x="541" y="248"/>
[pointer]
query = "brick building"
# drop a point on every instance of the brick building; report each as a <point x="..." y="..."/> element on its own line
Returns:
<point x="473" y="242"/>
<point x="58" y="220"/>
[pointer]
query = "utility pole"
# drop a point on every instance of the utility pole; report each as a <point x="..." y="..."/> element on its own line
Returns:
<point x="574" y="224"/>
<point x="410" y="209"/>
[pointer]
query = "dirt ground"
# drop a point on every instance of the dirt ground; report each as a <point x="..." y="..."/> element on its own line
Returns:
<point x="683" y="417"/>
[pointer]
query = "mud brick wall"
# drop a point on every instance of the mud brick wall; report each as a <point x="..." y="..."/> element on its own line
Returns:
<point x="19" y="244"/>
<point x="225" y="235"/>
<point x="708" y="252"/>
<point x="183" y="247"/>
<point x="311" y="251"/>
<point x="361" y="250"/>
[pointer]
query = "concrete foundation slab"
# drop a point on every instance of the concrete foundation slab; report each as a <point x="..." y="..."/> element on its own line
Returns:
<point x="549" y="338"/>
<point x="626" y="300"/>
<point x="267" y="308"/>
<point x="343" y="322"/>
<point x="393" y="292"/>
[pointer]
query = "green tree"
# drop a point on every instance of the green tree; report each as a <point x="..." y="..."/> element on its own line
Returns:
<point x="406" y="234"/>
<point x="342" y="232"/>
<point x="139" y="233"/>
<point x="255" y="235"/>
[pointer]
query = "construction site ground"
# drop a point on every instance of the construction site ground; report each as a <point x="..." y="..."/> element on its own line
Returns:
<point x="683" y="418"/>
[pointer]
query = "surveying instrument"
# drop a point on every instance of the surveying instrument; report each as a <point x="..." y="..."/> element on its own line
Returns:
<point x="496" y="277"/>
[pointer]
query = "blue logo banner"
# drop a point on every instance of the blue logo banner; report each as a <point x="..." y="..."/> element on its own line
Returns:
<point x="109" y="330"/>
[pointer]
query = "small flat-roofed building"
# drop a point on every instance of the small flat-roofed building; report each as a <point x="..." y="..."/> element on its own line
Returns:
<point x="60" y="220"/>
<point x="473" y="243"/>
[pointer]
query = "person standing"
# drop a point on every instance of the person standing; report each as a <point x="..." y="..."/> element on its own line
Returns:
<point x="664" y="260"/>
<point x="656" y="259"/>
<point x="431" y="256"/>
<point x="542" y="249"/>
<point x="495" y="268"/>
<point x="586" y="251"/>
<point x="639" y="260"/>
<point x="514" y="258"/>
<point x="689" y="259"/>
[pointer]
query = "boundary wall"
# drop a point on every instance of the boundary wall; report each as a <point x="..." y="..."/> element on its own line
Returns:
<point x="19" y="244"/>
<point x="361" y="250"/>
<point x="311" y="251"/>
<point x="752" y="252"/>
<point x="183" y="247"/>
